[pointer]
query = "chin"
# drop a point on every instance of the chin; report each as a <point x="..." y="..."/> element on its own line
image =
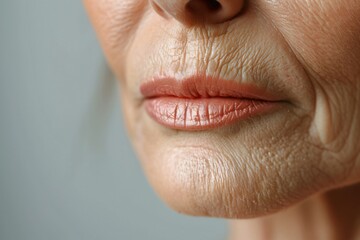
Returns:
<point x="208" y="184"/>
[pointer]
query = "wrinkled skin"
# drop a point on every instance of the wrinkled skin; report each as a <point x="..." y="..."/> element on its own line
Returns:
<point x="306" y="50"/>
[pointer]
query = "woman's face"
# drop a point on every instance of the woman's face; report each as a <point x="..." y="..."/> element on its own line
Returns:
<point x="237" y="109"/>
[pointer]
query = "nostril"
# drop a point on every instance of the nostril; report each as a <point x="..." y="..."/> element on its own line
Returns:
<point x="198" y="12"/>
<point x="203" y="6"/>
<point x="213" y="5"/>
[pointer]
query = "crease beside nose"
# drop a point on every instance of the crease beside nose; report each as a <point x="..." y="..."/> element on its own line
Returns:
<point x="190" y="12"/>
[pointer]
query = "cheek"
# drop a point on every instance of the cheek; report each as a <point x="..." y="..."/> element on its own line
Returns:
<point x="115" y="22"/>
<point x="325" y="37"/>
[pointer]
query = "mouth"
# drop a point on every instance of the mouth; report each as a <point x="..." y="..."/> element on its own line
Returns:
<point x="202" y="103"/>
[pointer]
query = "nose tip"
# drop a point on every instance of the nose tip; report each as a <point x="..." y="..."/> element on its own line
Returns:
<point x="189" y="12"/>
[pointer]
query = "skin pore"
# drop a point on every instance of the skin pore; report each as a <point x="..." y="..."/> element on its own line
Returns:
<point x="292" y="173"/>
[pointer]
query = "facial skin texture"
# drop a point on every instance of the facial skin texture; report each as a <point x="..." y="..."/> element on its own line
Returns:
<point x="306" y="51"/>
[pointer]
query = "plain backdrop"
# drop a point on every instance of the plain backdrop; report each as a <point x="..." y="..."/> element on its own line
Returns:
<point x="67" y="170"/>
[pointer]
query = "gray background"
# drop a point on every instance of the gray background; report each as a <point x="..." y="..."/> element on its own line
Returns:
<point x="67" y="170"/>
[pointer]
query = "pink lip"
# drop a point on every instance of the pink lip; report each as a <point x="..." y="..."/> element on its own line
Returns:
<point x="202" y="103"/>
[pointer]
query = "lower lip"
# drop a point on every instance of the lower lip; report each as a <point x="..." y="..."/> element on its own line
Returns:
<point x="204" y="113"/>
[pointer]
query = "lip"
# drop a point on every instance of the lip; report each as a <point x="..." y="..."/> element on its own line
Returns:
<point x="203" y="103"/>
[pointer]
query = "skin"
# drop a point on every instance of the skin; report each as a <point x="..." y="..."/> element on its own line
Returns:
<point x="302" y="156"/>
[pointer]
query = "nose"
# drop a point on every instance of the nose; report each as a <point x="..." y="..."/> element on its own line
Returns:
<point x="189" y="12"/>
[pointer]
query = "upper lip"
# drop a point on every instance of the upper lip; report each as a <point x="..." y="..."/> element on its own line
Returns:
<point x="205" y="87"/>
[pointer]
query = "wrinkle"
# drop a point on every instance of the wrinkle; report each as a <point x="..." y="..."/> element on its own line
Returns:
<point x="120" y="19"/>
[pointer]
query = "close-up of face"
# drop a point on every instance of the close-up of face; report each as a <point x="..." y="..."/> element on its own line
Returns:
<point x="237" y="108"/>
